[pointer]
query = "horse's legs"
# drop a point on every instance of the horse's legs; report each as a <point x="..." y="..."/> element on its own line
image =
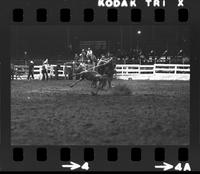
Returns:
<point x="93" y="84"/>
<point x="104" y="83"/>
<point x="98" y="88"/>
<point x="109" y="83"/>
<point x="73" y="84"/>
<point x="100" y="84"/>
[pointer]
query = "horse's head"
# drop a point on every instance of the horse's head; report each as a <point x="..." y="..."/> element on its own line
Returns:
<point x="110" y="68"/>
<point x="104" y="68"/>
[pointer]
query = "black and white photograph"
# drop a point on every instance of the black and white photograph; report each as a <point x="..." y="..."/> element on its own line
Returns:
<point x="100" y="84"/>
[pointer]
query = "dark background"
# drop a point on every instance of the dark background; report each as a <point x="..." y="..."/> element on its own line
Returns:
<point x="62" y="42"/>
<point x="100" y="163"/>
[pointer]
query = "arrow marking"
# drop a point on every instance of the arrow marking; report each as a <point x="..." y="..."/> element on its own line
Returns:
<point x="72" y="166"/>
<point x="165" y="166"/>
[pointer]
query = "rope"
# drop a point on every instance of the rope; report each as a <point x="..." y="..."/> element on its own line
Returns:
<point x="93" y="67"/>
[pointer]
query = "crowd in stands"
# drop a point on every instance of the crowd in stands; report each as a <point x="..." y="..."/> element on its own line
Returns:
<point x="139" y="57"/>
<point x="151" y="57"/>
<point x="122" y="57"/>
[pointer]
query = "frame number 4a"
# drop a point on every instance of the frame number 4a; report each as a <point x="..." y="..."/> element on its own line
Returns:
<point x="179" y="167"/>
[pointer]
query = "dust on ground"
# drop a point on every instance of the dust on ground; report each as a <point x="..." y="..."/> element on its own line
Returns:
<point x="52" y="113"/>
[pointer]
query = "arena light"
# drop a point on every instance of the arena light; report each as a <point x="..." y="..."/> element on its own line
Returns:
<point x="139" y="32"/>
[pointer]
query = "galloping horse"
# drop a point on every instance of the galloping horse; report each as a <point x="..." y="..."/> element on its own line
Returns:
<point x="82" y="72"/>
<point x="107" y="70"/>
<point x="99" y="75"/>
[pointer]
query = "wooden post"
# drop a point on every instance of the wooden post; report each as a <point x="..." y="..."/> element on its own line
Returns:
<point x="175" y="69"/>
<point x="139" y="69"/>
<point x="154" y="69"/>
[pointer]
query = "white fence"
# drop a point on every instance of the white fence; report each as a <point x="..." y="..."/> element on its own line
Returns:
<point x="129" y="72"/>
<point x="38" y="71"/>
<point x="153" y="72"/>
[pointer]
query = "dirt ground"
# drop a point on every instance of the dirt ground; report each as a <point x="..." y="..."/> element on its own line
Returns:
<point x="52" y="113"/>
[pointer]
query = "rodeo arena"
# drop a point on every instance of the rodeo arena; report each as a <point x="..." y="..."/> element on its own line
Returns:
<point x="101" y="96"/>
<point x="151" y="68"/>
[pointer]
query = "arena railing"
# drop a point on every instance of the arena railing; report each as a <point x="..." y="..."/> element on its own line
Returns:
<point x="126" y="71"/>
<point x="153" y="72"/>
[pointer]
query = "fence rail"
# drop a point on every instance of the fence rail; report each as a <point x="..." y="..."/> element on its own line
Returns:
<point x="23" y="70"/>
<point x="127" y="72"/>
<point x="153" y="72"/>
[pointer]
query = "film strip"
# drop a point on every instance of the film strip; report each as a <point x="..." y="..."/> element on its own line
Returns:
<point x="88" y="15"/>
<point x="99" y="85"/>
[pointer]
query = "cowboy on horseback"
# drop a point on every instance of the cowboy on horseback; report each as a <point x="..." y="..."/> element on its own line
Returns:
<point x="104" y="60"/>
<point x="89" y="54"/>
<point x="106" y="68"/>
<point x="82" y="56"/>
<point x="98" y="75"/>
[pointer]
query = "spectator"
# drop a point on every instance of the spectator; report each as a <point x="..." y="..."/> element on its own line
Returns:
<point x="31" y="70"/>
<point x="70" y="73"/>
<point x="45" y="69"/>
<point x="89" y="54"/>
<point x="76" y="57"/>
<point x="56" y="70"/>
<point x="168" y="59"/>
<point x="82" y="55"/>
<point x="185" y="60"/>
<point x="51" y="72"/>
<point x="65" y="71"/>
<point x="44" y="73"/>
